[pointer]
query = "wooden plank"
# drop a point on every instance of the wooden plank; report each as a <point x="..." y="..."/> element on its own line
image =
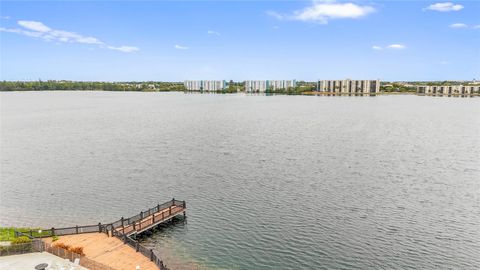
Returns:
<point x="150" y="221"/>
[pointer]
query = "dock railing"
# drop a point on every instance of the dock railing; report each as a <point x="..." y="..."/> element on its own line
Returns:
<point x="144" y="220"/>
<point x="147" y="252"/>
<point x="143" y="214"/>
<point x="60" y="231"/>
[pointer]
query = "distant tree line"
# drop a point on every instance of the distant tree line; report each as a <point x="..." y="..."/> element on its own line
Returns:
<point x="301" y="88"/>
<point x="102" y="86"/>
<point x="233" y="87"/>
<point x="397" y="87"/>
<point x="444" y="83"/>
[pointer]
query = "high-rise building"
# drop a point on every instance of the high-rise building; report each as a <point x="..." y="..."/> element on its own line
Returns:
<point x="349" y="86"/>
<point x="448" y="89"/>
<point x="262" y="86"/>
<point x="205" y="85"/>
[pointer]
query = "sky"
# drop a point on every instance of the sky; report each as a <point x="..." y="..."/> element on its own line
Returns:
<point x="239" y="40"/>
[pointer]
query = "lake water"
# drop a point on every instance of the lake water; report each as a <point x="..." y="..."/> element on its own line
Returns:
<point x="271" y="182"/>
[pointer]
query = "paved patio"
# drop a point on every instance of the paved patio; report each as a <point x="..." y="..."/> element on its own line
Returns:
<point x="30" y="260"/>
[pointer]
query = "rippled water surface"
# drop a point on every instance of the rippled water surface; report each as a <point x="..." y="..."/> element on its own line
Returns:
<point x="271" y="182"/>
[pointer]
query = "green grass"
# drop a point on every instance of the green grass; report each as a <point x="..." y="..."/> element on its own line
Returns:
<point x="7" y="233"/>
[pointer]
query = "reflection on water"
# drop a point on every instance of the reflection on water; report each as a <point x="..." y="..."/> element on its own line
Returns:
<point x="271" y="182"/>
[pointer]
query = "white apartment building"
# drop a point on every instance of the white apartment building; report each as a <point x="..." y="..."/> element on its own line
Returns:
<point x="448" y="89"/>
<point x="349" y="86"/>
<point x="205" y="85"/>
<point x="262" y="86"/>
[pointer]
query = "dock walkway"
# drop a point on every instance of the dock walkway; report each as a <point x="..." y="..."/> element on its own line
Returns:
<point x="146" y="222"/>
<point x="112" y="244"/>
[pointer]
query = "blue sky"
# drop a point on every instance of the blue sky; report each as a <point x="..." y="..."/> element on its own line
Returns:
<point x="178" y="40"/>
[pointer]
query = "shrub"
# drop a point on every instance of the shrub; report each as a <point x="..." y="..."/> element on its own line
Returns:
<point x="19" y="245"/>
<point x="21" y="240"/>
<point x="61" y="245"/>
<point x="77" y="250"/>
<point x="54" y="238"/>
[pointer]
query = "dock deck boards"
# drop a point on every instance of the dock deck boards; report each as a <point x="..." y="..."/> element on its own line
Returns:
<point x="152" y="220"/>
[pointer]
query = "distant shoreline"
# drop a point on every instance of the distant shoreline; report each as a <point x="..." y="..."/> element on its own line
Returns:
<point x="262" y="94"/>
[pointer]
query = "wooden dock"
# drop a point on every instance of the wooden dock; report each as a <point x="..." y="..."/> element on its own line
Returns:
<point x="105" y="238"/>
<point x="148" y="220"/>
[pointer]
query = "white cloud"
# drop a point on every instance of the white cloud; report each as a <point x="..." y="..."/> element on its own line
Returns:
<point x="71" y="37"/>
<point x="375" y="47"/>
<point x="40" y="30"/>
<point x="21" y="32"/>
<point x="476" y="26"/>
<point x="214" y="33"/>
<point x="126" y="49"/>
<point x="458" y="25"/>
<point x="396" y="46"/>
<point x="179" y="47"/>
<point x="445" y="7"/>
<point x="325" y="10"/>
<point x="34" y="26"/>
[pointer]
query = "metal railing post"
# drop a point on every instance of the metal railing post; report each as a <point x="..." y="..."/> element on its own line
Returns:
<point x="151" y="255"/>
<point x="122" y="221"/>
<point x="76" y="229"/>
<point x="53" y="231"/>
